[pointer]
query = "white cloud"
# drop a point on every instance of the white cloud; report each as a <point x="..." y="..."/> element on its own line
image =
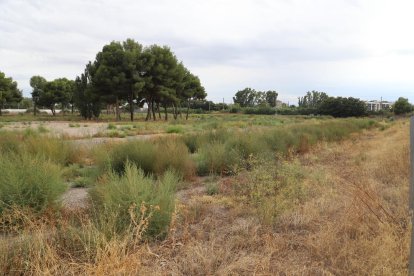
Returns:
<point x="360" y="48"/>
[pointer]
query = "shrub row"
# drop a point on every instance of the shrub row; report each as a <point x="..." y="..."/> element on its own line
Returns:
<point x="223" y="151"/>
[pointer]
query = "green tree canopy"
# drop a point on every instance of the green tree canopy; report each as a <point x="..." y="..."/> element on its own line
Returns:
<point x="58" y="91"/>
<point x="271" y="98"/>
<point x="246" y="97"/>
<point x="38" y="83"/>
<point x="402" y="106"/>
<point x="127" y="72"/>
<point x="249" y="97"/>
<point x="9" y="93"/>
<point x="84" y="97"/>
<point x="313" y="99"/>
<point x="342" y="107"/>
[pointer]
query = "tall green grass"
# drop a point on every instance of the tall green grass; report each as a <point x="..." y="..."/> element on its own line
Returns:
<point x="153" y="157"/>
<point x="32" y="143"/>
<point x="134" y="191"/>
<point x="29" y="182"/>
<point x="223" y="151"/>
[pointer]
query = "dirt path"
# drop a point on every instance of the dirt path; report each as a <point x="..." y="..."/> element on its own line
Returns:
<point x="75" y="198"/>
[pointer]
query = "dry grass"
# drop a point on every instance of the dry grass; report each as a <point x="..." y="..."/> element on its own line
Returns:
<point x="349" y="218"/>
<point x="354" y="220"/>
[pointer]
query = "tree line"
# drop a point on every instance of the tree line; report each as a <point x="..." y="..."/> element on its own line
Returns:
<point x="313" y="102"/>
<point x="9" y="93"/>
<point x="124" y="73"/>
<point x="249" y="97"/>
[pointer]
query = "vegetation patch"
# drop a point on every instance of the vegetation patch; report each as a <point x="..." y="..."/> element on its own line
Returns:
<point x="122" y="198"/>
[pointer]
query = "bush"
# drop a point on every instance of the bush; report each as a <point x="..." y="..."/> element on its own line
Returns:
<point x="173" y="155"/>
<point x="215" y="158"/>
<point x="125" y="194"/>
<point x="28" y="181"/>
<point x="154" y="157"/>
<point x="32" y="143"/>
<point x="175" y="129"/>
<point x="139" y="153"/>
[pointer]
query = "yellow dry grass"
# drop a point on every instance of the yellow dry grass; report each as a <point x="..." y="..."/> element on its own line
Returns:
<point x="353" y="221"/>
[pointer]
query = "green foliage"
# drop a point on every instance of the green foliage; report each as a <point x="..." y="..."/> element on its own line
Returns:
<point x="343" y="107"/>
<point x="125" y="195"/>
<point x="249" y="98"/>
<point x="312" y="100"/>
<point x="402" y="106"/>
<point x="33" y="144"/>
<point x="235" y="108"/>
<point x="29" y="181"/>
<point x="215" y="158"/>
<point x="272" y="188"/>
<point x="152" y="157"/>
<point x="127" y="72"/>
<point x="50" y="93"/>
<point x="111" y="126"/>
<point x="9" y="93"/>
<point x="212" y="188"/>
<point x="263" y="110"/>
<point x="173" y="155"/>
<point x="174" y="129"/>
<point x="84" y="95"/>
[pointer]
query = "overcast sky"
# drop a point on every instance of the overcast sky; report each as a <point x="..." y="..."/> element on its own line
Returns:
<point x="358" y="48"/>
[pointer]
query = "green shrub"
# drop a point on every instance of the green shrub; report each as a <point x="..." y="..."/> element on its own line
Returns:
<point x="140" y="153"/>
<point x="215" y="158"/>
<point x="32" y="143"/>
<point x="246" y="144"/>
<point x="9" y="142"/>
<point x="212" y="188"/>
<point x="192" y="141"/>
<point x="111" y="126"/>
<point x="175" y="129"/>
<point x="126" y="192"/>
<point x="154" y="157"/>
<point x="53" y="149"/>
<point x="173" y="155"/>
<point x="28" y="181"/>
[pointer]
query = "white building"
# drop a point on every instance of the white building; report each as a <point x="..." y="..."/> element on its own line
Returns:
<point x="378" y="105"/>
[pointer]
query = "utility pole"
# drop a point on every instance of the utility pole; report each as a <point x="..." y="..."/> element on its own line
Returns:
<point x="223" y="104"/>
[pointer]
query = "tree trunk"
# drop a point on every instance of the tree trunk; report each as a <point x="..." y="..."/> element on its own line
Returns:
<point x="153" y="111"/>
<point x="159" y="111"/>
<point x="72" y="108"/>
<point x="166" y="112"/>
<point x="118" y="116"/>
<point x="179" y="111"/>
<point x="148" y="111"/>
<point x="131" y="107"/>
<point x="175" y="111"/>
<point x="34" y="110"/>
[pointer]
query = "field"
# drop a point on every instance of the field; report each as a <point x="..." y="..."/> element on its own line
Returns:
<point x="218" y="194"/>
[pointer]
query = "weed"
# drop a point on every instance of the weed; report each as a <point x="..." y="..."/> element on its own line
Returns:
<point x="174" y="129"/>
<point x="29" y="181"/>
<point x="131" y="190"/>
<point x="111" y="126"/>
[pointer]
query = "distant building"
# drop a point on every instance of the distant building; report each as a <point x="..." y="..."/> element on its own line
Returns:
<point x="378" y="105"/>
<point x="279" y="104"/>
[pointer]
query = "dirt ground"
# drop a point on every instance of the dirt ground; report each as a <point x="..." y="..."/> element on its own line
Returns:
<point x="84" y="130"/>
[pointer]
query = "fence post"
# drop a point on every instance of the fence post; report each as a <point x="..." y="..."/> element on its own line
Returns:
<point x="411" y="197"/>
